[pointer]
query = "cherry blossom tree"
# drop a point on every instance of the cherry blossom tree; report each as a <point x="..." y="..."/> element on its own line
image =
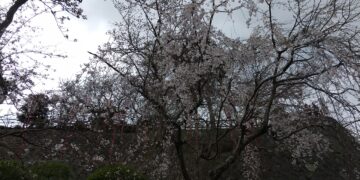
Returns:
<point x="19" y="61"/>
<point x="199" y="81"/>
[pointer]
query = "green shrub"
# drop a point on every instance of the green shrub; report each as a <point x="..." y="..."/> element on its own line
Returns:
<point x="51" y="170"/>
<point x="115" y="172"/>
<point x="12" y="170"/>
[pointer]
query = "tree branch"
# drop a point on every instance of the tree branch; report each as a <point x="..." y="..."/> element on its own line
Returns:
<point x="10" y="16"/>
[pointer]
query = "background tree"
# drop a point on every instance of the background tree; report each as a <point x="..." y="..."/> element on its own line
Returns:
<point x="93" y="99"/>
<point x="195" y="78"/>
<point x="34" y="112"/>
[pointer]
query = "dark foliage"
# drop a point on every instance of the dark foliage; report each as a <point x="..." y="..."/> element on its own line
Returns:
<point x="34" y="112"/>
<point x="51" y="170"/>
<point x="12" y="170"/>
<point x="115" y="172"/>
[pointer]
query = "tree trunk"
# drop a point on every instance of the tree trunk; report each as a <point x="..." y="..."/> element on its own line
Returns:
<point x="10" y="15"/>
<point x="218" y="171"/>
<point x="180" y="153"/>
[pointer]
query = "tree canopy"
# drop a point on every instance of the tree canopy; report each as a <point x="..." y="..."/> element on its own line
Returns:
<point x="194" y="77"/>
